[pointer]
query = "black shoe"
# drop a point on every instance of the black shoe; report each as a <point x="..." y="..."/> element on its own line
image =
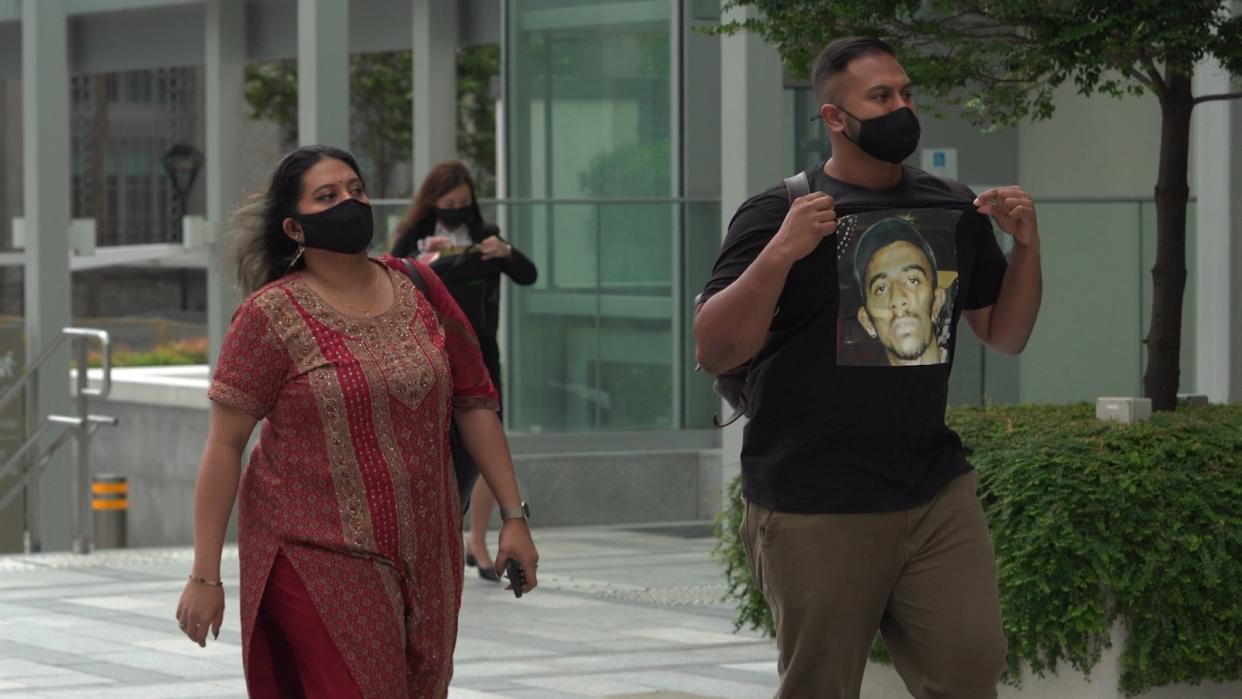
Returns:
<point x="488" y="574"/>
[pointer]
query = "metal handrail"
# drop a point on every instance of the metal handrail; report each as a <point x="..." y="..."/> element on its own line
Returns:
<point x="82" y="427"/>
<point x="32" y="369"/>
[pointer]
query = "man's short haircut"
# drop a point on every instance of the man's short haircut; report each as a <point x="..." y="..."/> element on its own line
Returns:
<point x="879" y="236"/>
<point x="838" y="55"/>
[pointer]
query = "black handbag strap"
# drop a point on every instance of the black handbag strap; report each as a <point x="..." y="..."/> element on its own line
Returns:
<point x="464" y="467"/>
<point x="411" y="270"/>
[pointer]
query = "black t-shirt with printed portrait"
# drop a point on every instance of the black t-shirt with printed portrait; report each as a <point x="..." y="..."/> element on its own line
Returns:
<point x="846" y="400"/>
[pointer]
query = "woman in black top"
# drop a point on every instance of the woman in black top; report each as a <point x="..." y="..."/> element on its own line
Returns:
<point x="444" y="226"/>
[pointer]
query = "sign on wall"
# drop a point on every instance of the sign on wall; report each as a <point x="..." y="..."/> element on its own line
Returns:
<point x="940" y="161"/>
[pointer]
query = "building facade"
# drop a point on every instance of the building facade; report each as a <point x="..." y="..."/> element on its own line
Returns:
<point x="627" y="135"/>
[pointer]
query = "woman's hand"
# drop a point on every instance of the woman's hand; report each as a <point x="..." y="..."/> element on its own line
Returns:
<point x="516" y="543"/>
<point x="485" y="440"/>
<point x="202" y="604"/>
<point x="201" y="608"/>
<point x="495" y="248"/>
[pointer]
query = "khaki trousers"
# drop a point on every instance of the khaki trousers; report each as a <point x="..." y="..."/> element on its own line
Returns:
<point x="925" y="578"/>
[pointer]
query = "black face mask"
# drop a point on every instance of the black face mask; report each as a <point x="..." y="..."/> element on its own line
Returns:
<point x="346" y="227"/>
<point x="452" y="218"/>
<point x="892" y="137"/>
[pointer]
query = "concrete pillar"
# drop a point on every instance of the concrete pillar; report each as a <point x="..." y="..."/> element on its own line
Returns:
<point x="435" y="84"/>
<point x="225" y="60"/>
<point x="323" y="72"/>
<point x="45" y="129"/>
<point x="1217" y="132"/>
<point x="751" y="126"/>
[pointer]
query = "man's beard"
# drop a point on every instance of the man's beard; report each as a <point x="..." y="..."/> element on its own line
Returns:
<point x="911" y="356"/>
<point x="930" y="338"/>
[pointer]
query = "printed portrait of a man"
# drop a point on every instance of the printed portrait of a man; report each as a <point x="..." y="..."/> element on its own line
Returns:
<point x="898" y="284"/>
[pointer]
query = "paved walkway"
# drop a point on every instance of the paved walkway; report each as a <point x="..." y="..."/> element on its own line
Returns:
<point x="622" y="613"/>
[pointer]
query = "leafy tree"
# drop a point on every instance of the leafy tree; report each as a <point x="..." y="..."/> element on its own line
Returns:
<point x="381" y="109"/>
<point x="478" y="68"/>
<point x="1002" y="61"/>
<point x="381" y="93"/>
<point x="272" y="94"/>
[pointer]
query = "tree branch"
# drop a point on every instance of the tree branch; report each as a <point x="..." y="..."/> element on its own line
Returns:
<point x="1013" y="36"/>
<point x="1138" y="77"/>
<point x="1127" y="68"/>
<point x="985" y="77"/>
<point x="989" y="24"/>
<point x="980" y="32"/>
<point x="952" y="19"/>
<point x="1221" y="96"/>
<point x="1157" y="80"/>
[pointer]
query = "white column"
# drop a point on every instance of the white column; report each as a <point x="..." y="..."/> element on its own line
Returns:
<point x="435" y="84"/>
<point x="751" y="133"/>
<point x="225" y="60"/>
<point x="1217" y="131"/>
<point x="323" y="72"/>
<point x="45" y="127"/>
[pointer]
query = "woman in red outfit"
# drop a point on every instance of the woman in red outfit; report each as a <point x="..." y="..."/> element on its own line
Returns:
<point x="349" y="525"/>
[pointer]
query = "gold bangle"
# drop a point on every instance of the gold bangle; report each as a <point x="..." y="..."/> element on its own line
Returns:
<point x="205" y="581"/>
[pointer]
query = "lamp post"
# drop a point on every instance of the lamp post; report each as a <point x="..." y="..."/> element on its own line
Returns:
<point x="182" y="163"/>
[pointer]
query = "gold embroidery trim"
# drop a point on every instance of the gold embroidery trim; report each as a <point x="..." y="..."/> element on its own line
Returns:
<point x="293" y="329"/>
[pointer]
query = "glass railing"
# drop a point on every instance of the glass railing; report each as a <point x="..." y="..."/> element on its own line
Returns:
<point x="1097" y="260"/>
<point x="602" y="342"/>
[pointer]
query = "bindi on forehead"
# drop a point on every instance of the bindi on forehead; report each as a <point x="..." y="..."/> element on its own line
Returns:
<point x="339" y="183"/>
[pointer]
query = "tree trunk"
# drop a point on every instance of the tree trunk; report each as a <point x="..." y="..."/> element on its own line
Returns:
<point x="1168" y="276"/>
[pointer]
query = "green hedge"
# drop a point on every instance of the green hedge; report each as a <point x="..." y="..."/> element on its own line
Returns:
<point x="1094" y="522"/>
<point x="172" y="353"/>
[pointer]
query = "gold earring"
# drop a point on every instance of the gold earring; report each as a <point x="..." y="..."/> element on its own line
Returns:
<point x="298" y="256"/>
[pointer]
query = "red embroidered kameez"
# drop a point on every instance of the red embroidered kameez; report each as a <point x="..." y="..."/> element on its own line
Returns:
<point x="352" y="477"/>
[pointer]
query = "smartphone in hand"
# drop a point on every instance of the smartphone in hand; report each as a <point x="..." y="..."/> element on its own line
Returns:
<point x="517" y="578"/>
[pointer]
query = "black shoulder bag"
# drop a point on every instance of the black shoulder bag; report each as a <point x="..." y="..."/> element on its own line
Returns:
<point x="465" y="469"/>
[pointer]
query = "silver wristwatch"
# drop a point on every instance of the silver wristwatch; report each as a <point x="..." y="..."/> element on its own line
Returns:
<point x="522" y="512"/>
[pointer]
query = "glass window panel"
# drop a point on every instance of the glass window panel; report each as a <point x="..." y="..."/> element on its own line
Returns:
<point x="590" y="120"/>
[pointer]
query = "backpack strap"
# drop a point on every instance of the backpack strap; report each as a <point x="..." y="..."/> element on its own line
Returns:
<point x="797" y="185"/>
<point x="731" y="385"/>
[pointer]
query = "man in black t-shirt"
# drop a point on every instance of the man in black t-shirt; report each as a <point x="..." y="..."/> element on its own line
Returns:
<point x="861" y="513"/>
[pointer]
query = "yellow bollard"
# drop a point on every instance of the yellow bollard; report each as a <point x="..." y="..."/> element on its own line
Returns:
<point x="110" y="502"/>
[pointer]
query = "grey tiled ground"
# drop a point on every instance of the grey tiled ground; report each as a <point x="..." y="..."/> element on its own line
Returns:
<point x="620" y="613"/>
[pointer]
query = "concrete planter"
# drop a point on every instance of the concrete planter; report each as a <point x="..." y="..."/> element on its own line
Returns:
<point x="882" y="682"/>
<point x="569" y="480"/>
